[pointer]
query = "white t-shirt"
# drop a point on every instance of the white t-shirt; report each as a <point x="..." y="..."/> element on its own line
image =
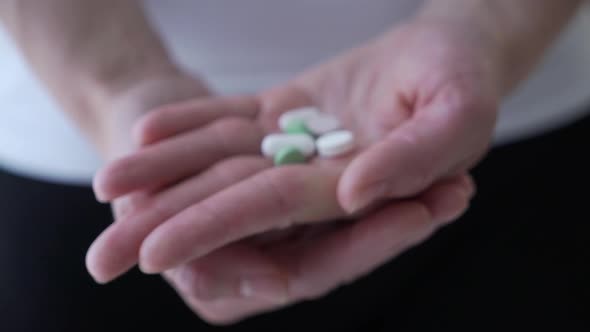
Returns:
<point x="244" y="46"/>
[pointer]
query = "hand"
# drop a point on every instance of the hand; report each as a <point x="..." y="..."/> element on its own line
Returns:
<point x="422" y="100"/>
<point x="121" y="112"/>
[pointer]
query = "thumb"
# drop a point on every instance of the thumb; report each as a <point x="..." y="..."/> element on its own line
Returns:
<point x="437" y="142"/>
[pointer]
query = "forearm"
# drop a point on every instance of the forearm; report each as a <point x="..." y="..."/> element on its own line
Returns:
<point x="86" y="51"/>
<point x="520" y="29"/>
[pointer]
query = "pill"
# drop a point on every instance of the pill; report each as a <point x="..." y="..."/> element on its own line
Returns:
<point x="297" y="127"/>
<point x="335" y="144"/>
<point x="289" y="155"/>
<point x="273" y="143"/>
<point x="322" y="124"/>
<point x="302" y="114"/>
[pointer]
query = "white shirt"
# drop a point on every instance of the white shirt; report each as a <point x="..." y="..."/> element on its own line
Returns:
<point x="244" y="46"/>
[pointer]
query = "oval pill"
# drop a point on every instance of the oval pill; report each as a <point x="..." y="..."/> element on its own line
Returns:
<point x="273" y="143"/>
<point x="335" y="144"/>
<point x="302" y="114"/>
<point x="289" y="155"/>
<point x="297" y="127"/>
<point x="322" y="124"/>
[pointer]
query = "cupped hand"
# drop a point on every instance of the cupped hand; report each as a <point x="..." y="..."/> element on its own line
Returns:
<point x="422" y="102"/>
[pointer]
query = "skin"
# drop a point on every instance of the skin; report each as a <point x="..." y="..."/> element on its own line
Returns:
<point x="93" y="56"/>
<point x="436" y="82"/>
<point x="103" y="64"/>
<point x="427" y="118"/>
<point x="191" y="242"/>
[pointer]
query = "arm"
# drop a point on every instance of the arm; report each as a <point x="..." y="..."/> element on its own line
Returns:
<point x="87" y="53"/>
<point x="521" y="29"/>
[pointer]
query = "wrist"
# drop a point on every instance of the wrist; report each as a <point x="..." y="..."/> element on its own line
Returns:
<point x="116" y="113"/>
<point x="99" y="86"/>
<point x="91" y="93"/>
<point x="492" y="46"/>
<point x="520" y="31"/>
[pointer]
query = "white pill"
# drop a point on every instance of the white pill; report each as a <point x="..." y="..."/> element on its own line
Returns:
<point x="302" y="114"/>
<point x="322" y="124"/>
<point x="273" y="143"/>
<point x="335" y="144"/>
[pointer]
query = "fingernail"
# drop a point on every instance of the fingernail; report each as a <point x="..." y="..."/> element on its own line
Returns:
<point x="368" y="197"/>
<point x="272" y="288"/>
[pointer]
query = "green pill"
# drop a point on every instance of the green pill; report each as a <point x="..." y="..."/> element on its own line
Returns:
<point x="289" y="155"/>
<point x="297" y="127"/>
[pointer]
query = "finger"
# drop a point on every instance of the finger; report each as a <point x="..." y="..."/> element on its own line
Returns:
<point x="281" y="99"/>
<point x="444" y="200"/>
<point x="224" y="311"/>
<point x="171" y="120"/>
<point x="116" y="250"/>
<point x="218" y="279"/>
<point x="177" y="158"/>
<point x="274" y="199"/>
<point x="358" y="248"/>
<point x="242" y="269"/>
<point x="211" y="278"/>
<point x="315" y="268"/>
<point x="440" y="141"/>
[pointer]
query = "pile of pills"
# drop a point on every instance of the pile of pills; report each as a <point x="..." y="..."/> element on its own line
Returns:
<point x="305" y="132"/>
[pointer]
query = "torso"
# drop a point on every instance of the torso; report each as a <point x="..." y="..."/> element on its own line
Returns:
<point x="243" y="46"/>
